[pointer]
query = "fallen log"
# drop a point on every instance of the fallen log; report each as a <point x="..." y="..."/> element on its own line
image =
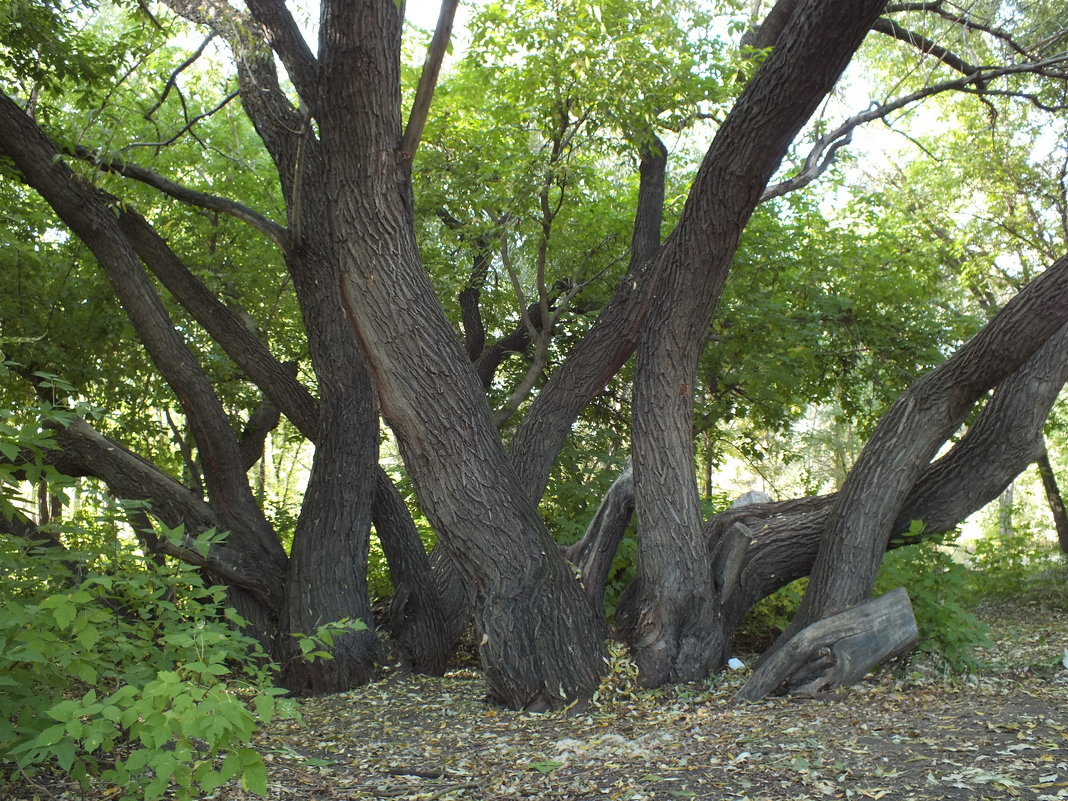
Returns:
<point x="836" y="651"/>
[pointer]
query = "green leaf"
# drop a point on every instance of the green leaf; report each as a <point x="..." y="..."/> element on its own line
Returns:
<point x="64" y="753"/>
<point x="545" y="766"/>
<point x="264" y="707"/>
<point x="51" y="735"/>
<point x="253" y="771"/>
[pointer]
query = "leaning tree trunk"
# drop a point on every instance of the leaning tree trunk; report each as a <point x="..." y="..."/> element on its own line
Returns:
<point x="1053" y="497"/>
<point x="907" y="437"/>
<point x="995" y="449"/>
<point x="677" y="634"/>
<point x="420" y="630"/>
<point x="541" y="642"/>
<point x="89" y="214"/>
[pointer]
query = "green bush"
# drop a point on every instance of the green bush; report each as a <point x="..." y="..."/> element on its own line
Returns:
<point x="114" y="678"/>
<point x="770" y="616"/>
<point x="1005" y="562"/>
<point x="941" y="596"/>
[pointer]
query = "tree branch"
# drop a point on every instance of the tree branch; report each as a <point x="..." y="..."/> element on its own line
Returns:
<point x="606" y="346"/>
<point x="822" y="153"/>
<point x="185" y="128"/>
<point x="428" y="79"/>
<point x="923" y="44"/>
<point x="172" y="81"/>
<point x="84" y="451"/>
<point x="263" y="420"/>
<point x="193" y="197"/>
<point x="287" y="41"/>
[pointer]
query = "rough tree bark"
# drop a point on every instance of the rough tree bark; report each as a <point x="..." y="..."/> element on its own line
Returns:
<point x="593" y="554"/>
<point x="862" y="516"/>
<point x="541" y="642"/>
<point x="1053" y="497"/>
<point x="677" y="634"/>
<point x="419" y="631"/>
<point x="335" y="536"/>
<point x="779" y="540"/>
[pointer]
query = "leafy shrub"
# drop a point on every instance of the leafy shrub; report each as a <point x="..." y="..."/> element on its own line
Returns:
<point x="940" y="592"/>
<point x="770" y="616"/>
<point x="1006" y="561"/>
<point x="112" y="678"/>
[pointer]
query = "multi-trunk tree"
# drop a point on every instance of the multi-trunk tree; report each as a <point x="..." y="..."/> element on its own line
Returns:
<point x="380" y="344"/>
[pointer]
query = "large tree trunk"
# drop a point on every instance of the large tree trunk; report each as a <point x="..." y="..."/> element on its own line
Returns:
<point x="541" y="642"/>
<point x="877" y="489"/>
<point x="333" y="528"/>
<point x="327" y="577"/>
<point x="677" y="636"/>
<point x="416" y="613"/>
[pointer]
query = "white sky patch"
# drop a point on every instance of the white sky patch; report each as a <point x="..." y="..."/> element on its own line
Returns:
<point x="424" y="13"/>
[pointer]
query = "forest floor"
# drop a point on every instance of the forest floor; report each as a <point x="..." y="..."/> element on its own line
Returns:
<point x="905" y="733"/>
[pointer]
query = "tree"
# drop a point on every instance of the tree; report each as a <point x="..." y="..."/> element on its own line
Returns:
<point x="380" y="343"/>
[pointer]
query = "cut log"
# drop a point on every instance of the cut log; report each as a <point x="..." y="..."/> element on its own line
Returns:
<point x="837" y="651"/>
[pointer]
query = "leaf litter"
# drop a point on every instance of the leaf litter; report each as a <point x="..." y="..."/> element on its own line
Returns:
<point x="905" y="734"/>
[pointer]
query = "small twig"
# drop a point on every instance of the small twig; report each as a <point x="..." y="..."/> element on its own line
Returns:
<point x="172" y="81"/>
<point x="185" y="128"/>
<point x="821" y="155"/>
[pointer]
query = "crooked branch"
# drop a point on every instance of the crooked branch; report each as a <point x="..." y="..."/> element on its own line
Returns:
<point x="272" y="230"/>
<point x="821" y="156"/>
<point x="185" y="128"/>
<point x="172" y="81"/>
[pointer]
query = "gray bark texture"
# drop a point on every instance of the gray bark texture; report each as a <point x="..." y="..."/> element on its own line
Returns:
<point x="541" y="641"/>
<point x="677" y="634"/>
<point x="863" y="514"/>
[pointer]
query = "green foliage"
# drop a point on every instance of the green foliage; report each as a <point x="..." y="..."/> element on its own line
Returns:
<point x="1007" y="561"/>
<point x="25" y="439"/>
<point x="942" y="601"/>
<point x="770" y="616"/>
<point x="141" y="682"/>
<point x="320" y="643"/>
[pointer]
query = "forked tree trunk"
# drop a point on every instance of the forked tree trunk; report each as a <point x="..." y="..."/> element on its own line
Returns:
<point x="907" y="437"/>
<point x="758" y="549"/>
<point x="541" y="642"/>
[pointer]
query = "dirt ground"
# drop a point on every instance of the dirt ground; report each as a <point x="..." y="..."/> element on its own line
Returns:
<point x="906" y="733"/>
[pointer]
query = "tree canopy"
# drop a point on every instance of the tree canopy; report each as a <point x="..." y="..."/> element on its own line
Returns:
<point x="572" y="267"/>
